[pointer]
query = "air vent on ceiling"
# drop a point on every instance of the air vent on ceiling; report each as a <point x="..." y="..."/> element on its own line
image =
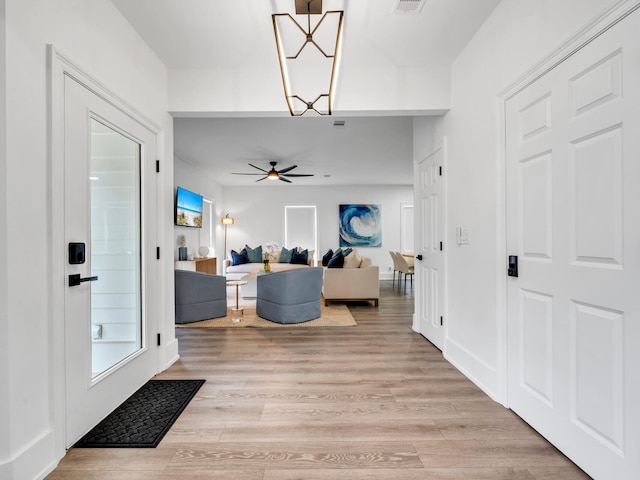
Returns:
<point x="408" y="6"/>
<point x="339" y="123"/>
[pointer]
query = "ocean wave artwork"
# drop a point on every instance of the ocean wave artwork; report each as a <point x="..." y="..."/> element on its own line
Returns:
<point x="360" y="225"/>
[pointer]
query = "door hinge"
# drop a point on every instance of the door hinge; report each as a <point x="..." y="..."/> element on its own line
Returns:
<point x="159" y="340"/>
<point x="157" y="166"/>
<point x="440" y="170"/>
<point x="157" y="253"/>
<point x="440" y="246"/>
<point x="441" y="320"/>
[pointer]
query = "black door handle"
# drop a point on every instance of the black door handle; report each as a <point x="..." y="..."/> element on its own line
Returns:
<point x="419" y="257"/>
<point x="75" y="280"/>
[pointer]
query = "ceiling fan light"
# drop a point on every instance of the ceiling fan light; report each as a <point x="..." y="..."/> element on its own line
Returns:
<point x="273" y="176"/>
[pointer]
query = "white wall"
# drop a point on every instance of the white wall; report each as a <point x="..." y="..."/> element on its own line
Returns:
<point x="517" y="36"/>
<point x="232" y="92"/>
<point x="259" y="215"/>
<point x="5" y="414"/>
<point x="96" y="38"/>
<point x="193" y="178"/>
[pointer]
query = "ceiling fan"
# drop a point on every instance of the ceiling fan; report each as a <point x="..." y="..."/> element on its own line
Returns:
<point x="274" y="174"/>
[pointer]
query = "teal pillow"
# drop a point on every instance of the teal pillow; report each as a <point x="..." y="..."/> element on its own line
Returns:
<point x="343" y="251"/>
<point x="300" y="258"/>
<point x="285" y="255"/>
<point x="254" y="254"/>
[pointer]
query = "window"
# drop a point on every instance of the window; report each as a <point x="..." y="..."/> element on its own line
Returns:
<point x="301" y="226"/>
<point x="206" y="232"/>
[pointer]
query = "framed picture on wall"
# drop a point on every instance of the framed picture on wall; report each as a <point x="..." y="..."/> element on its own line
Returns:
<point x="360" y="225"/>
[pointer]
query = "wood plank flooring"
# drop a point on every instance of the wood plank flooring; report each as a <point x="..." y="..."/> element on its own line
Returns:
<point x="376" y="401"/>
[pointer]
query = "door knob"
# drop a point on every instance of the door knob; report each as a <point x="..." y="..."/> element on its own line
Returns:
<point x="419" y="257"/>
<point x="75" y="280"/>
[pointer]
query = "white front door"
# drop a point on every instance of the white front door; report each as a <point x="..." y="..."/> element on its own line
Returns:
<point x="110" y="257"/>
<point x="430" y="245"/>
<point x="573" y="169"/>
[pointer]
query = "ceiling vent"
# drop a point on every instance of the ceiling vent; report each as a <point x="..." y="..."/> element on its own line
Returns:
<point x="339" y="123"/>
<point x="408" y="6"/>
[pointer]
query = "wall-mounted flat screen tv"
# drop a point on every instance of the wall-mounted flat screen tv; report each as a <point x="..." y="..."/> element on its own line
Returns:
<point x="188" y="208"/>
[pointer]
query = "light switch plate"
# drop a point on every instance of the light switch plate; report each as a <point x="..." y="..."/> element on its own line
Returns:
<point x="463" y="236"/>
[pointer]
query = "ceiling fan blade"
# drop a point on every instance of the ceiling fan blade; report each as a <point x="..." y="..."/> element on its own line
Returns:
<point x="284" y="179"/>
<point x="299" y="175"/>
<point x="260" y="179"/>
<point x="288" y="169"/>
<point x="234" y="173"/>
<point x="252" y="165"/>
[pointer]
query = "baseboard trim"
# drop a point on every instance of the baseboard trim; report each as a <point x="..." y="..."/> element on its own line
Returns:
<point x="474" y="368"/>
<point x="34" y="461"/>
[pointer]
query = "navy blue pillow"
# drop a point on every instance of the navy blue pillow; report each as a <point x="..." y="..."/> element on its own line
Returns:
<point x="239" y="258"/>
<point x="300" y="258"/>
<point x="285" y="255"/>
<point x="337" y="261"/>
<point x="327" y="256"/>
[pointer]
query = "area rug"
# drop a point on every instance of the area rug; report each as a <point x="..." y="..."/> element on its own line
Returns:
<point x="145" y="417"/>
<point x="331" y="316"/>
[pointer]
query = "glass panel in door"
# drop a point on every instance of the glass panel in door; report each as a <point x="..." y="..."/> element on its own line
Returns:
<point x="116" y="313"/>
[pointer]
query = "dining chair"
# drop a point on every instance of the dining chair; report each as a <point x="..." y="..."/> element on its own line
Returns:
<point x="395" y="265"/>
<point x="405" y="268"/>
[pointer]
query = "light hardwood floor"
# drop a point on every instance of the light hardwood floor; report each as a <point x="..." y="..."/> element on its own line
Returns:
<point x="376" y="401"/>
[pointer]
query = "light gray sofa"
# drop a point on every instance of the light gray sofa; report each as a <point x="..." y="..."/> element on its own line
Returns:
<point x="250" y="272"/>
<point x="199" y="296"/>
<point x="291" y="296"/>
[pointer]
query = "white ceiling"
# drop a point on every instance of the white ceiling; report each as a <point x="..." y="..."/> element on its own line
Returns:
<point x="220" y="34"/>
<point x="366" y="151"/>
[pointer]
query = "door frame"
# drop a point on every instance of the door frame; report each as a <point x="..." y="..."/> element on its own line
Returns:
<point x="603" y="22"/>
<point x="403" y="224"/>
<point x="59" y="66"/>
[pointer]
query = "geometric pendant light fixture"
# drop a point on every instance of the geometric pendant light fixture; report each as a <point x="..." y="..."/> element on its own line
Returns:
<point x="309" y="46"/>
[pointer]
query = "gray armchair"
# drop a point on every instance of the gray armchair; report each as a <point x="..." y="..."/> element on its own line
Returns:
<point x="199" y="296"/>
<point x="290" y="296"/>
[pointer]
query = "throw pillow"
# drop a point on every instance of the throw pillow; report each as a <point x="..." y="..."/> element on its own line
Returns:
<point x="310" y="253"/>
<point x="326" y="257"/>
<point x="300" y="258"/>
<point x="239" y="258"/>
<point x="347" y="251"/>
<point x="337" y="261"/>
<point x="285" y="255"/>
<point x="353" y="260"/>
<point x="254" y="254"/>
<point x="274" y="257"/>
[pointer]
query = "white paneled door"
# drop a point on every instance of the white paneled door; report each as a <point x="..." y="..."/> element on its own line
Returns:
<point x="430" y="245"/>
<point x="573" y="205"/>
<point x="110" y="257"/>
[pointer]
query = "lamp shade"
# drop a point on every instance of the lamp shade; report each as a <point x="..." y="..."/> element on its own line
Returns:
<point x="227" y="220"/>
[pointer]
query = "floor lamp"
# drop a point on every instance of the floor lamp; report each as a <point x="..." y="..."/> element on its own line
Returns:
<point x="226" y="220"/>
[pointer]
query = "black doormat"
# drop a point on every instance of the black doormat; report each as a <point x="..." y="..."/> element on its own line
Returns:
<point x="144" y="418"/>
